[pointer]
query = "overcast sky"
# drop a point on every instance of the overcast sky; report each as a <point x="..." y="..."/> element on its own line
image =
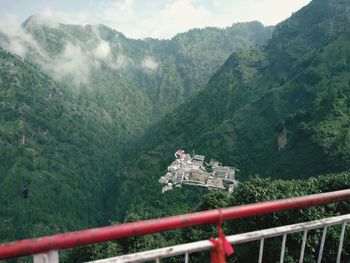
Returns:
<point x="152" y="18"/>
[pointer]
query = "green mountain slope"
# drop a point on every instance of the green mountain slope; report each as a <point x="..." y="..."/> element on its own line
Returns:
<point x="281" y="110"/>
<point x="135" y="81"/>
<point x="64" y="132"/>
<point x="74" y="99"/>
<point x="55" y="145"/>
<point x="297" y="129"/>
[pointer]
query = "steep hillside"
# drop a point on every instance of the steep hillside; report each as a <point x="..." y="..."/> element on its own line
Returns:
<point x="250" y="191"/>
<point x="135" y="81"/>
<point x="280" y="111"/>
<point x="56" y="154"/>
<point x="72" y="101"/>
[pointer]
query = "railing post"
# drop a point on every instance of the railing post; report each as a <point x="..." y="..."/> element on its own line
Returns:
<point x="322" y="244"/>
<point x="283" y="248"/>
<point x="186" y="257"/>
<point x="261" y="250"/>
<point x="49" y="257"/>
<point x="302" y="251"/>
<point x="259" y="236"/>
<point x="341" y="239"/>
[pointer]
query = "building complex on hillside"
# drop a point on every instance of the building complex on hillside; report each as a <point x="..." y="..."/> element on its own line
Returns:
<point x="187" y="170"/>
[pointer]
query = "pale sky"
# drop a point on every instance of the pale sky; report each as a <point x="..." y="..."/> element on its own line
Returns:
<point x="152" y="18"/>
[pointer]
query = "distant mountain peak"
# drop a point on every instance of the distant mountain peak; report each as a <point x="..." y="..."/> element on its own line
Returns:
<point x="39" y="20"/>
<point x="317" y="14"/>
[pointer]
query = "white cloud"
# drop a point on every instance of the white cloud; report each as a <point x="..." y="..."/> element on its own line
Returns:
<point x="11" y="25"/>
<point x="181" y="15"/>
<point x="165" y="18"/>
<point x="102" y="51"/>
<point x="269" y="12"/>
<point x="149" y="64"/>
<point x="77" y="60"/>
<point x="72" y="62"/>
<point x="121" y="61"/>
<point x="19" y="41"/>
<point x="49" y="15"/>
<point x="46" y="18"/>
<point x="178" y="16"/>
<point x="119" y="10"/>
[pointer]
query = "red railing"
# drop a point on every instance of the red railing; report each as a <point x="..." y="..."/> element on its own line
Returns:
<point x="96" y="235"/>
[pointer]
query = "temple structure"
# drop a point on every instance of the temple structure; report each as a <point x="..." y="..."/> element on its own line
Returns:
<point x="188" y="170"/>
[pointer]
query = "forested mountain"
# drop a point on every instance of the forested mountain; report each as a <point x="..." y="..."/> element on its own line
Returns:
<point x="280" y="111"/>
<point x="134" y="81"/>
<point x="76" y="97"/>
<point x="57" y="154"/>
<point x="73" y="99"/>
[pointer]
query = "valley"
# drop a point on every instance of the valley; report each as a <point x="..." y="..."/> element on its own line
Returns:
<point x="90" y="120"/>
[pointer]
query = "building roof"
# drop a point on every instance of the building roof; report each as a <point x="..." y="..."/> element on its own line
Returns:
<point x="214" y="162"/>
<point x="179" y="175"/>
<point x="199" y="157"/>
<point x="192" y="171"/>
<point x="215" y="182"/>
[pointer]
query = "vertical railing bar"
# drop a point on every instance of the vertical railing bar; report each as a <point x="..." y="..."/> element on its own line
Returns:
<point x="283" y="248"/>
<point x="302" y="251"/>
<point x="340" y="247"/>
<point x="186" y="257"/>
<point x="322" y="244"/>
<point x="157" y="260"/>
<point x="261" y="250"/>
<point x="48" y="257"/>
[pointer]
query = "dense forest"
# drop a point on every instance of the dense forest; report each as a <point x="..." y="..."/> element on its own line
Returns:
<point x="256" y="189"/>
<point x="88" y="146"/>
<point x="73" y="104"/>
<point x="277" y="111"/>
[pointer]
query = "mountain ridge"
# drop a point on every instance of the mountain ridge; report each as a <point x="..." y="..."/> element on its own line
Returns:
<point x="71" y="104"/>
<point x="158" y="74"/>
<point x="261" y="112"/>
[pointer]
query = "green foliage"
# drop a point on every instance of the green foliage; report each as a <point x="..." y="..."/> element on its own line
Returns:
<point x="255" y="190"/>
<point x="280" y="110"/>
<point x="93" y="252"/>
<point x="140" y="80"/>
<point x="54" y="146"/>
<point x="63" y="140"/>
<point x="248" y="118"/>
<point x="258" y="190"/>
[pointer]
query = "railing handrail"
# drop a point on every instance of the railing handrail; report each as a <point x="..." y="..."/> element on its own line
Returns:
<point x="203" y="245"/>
<point x="107" y="233"/>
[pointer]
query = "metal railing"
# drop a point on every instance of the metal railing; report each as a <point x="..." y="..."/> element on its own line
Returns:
<point x="261" y="235"/>
<point x="49" y="245"/>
